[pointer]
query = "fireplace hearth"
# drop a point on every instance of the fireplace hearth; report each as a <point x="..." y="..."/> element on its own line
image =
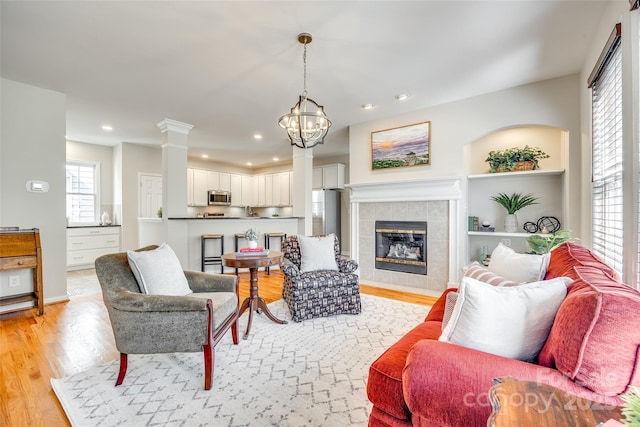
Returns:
<point x="401" y="246"/>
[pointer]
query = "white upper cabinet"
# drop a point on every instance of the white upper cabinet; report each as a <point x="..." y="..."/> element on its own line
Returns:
<point x="247" y="190"/>
<point x="236" y="190"/>
<point x="268" y="189"/>
<point x="329" y="177"/>
<point x="225" y="181"/>
<point x="200" y="188"/>
<point x="213" y="180"/>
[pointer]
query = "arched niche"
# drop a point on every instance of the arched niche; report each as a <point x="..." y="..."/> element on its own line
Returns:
<point x="551" y="140"/>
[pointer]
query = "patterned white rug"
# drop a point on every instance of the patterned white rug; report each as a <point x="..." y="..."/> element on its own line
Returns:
<point x="312" y="373"/>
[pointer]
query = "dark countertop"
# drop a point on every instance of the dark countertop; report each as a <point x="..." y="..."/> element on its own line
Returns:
<point x="238" y="217"/>
<point x="93" y="226"/>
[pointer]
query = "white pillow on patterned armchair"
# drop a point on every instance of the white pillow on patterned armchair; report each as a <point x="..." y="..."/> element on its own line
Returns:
<point x="158" y="271"/>
<point x="317" y="253"/>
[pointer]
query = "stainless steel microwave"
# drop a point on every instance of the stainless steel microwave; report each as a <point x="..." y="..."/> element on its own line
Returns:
<point x="220" y="198"/>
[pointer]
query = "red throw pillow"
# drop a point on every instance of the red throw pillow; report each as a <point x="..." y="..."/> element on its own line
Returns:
<point x="596" y="333"/>
<point x="569" y="255"/>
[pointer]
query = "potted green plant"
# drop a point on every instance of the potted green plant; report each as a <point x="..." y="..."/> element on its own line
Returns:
<point x="515" y="159"/>
<point x="252" y="237"/>
<point x="631" y="407"/>
<point x="543" y="243"/>
<point x="513" y="203"/>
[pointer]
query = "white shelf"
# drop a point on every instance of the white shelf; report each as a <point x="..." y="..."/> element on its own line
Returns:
<point x="539" y="172"/>
<point x="498" y="234"/>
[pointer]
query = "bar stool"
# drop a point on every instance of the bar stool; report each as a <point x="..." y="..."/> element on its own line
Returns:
<point x="214" y="259"/>
<point x="238" y="236"/>
<point x="267" y="242"/>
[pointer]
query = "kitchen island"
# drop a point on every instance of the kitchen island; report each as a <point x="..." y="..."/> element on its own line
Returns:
<point x="228" y="226"/>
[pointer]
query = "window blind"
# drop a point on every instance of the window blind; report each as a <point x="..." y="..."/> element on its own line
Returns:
<point x="607" y="185"/>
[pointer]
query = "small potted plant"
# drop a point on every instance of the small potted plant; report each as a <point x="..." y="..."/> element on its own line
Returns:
<point x="512" y="204"/>
<point x="252" y="237"/>
<point x="631" y="407"/>
<point x="515" y="159"/>
<point x="543" y="243"/>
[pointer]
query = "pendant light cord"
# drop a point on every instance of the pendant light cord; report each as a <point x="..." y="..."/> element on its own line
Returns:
<point x="304" y="61"/>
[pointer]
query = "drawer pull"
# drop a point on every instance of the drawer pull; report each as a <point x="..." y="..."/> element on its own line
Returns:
<point x="78" y="257"/>
<point x="77" y="243"/>
<point x="95" y="232"/>
<point x="20" y="262"/>
<point x="111" y="241"/>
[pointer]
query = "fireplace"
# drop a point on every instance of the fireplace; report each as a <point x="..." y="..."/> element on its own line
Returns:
<point x="401" y="246"/>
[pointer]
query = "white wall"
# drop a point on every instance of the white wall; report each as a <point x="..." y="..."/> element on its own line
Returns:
<point x="553" y="102"/>
<point x="616" y="12"/>
<point x="132" y="159"/>
<point x="32" y="147"/>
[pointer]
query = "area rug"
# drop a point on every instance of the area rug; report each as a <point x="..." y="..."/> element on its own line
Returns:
<point x="312" y="373"/>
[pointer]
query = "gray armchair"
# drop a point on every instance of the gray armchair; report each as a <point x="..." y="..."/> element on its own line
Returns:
<point x="144" y="324"/>
<point x="318" y="293"/>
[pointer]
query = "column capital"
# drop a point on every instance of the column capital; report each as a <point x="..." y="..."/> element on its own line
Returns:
<point x="166" y="125"/>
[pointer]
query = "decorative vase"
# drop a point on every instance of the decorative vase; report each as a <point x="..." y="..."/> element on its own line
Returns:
<point x="253" y="244"/>
<point x="511" y="223"/>
<point x="105" y="218"/>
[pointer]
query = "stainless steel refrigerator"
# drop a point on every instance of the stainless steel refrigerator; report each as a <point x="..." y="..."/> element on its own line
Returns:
<point x="325" y="208"/>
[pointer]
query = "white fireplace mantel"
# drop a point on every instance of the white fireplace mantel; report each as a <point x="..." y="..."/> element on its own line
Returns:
<point x="427" y="189"/>
<point x="441" y="188"/>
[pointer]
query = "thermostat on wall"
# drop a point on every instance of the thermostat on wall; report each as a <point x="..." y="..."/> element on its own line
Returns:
<point x="37" y="186"/>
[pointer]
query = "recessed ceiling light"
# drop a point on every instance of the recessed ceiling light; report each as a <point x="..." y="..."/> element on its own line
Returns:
<point x="402" y="96"/>
<point x="275" y="159"/>
<point x="249" y="163"/>
<point x="107" y="127"/>
<point x="257" y="136"/>
<point x="367" y="106"/>
<point x="204" y="156"/>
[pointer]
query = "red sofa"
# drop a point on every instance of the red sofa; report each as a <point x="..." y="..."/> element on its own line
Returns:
<point x="592" y="351"/>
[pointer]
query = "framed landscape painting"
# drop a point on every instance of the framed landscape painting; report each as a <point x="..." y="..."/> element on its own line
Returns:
<point x="401" y="146"/>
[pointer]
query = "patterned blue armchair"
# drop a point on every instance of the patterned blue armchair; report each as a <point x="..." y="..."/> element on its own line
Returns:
<point x="318" y="293"/>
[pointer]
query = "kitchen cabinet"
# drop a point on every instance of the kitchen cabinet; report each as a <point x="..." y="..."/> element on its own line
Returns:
<point x="328" y="177"/>
<point x="85" y="244"/>
<point x="213" y="180"/>
<point x="260" y="191"/>
<point x="197" y="187"/>
<point x="247" y="190"/>
<point x="282" y="189"/>
<point x="268" y="189"/>
<point x="236" y="189"/>
<point x="225" y="181"/>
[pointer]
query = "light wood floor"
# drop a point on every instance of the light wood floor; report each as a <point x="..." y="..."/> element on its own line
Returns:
<point x="73" y="336"/>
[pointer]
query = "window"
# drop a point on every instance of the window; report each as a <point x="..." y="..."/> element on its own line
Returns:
<point x="607" y="159"/>
<point x="82" y="193"/>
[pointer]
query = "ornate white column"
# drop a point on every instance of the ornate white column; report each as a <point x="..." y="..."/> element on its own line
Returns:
<point x="174" y="184"/>
<point x="302" y="187"/>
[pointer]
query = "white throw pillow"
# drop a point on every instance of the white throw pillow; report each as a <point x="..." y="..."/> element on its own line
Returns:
<point x="158" y="271"/>
<point x="317" y="253"/>
<point x="512" y="322"/>
<point x="517" y="267"/>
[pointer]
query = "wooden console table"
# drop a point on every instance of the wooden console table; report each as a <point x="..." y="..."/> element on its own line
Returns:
<point x="527" y="403"/>
<point x="21" y="249"/>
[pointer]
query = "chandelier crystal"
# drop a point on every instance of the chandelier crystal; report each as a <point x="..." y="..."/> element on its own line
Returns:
<point x="306" y="124"/>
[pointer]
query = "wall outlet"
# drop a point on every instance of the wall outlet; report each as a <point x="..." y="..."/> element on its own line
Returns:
<point x="14" y="281"/>
<point x="506" y="242"/>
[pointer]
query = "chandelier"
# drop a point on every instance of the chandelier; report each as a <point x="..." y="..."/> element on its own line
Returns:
<point x="306" y="124"/>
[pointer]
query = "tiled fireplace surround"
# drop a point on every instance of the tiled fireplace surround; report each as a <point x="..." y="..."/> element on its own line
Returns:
<point x="436" y="201"/>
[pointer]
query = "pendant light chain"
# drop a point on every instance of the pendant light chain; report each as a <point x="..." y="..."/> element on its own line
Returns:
<point x="306" y="124"/>
<point x="304" y="61"/>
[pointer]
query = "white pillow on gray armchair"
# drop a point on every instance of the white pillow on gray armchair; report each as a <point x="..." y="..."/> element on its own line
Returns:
<point x="158" y="271"/>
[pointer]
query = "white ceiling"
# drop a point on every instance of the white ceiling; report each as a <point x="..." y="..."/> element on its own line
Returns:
<point x="232" y="68"/>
